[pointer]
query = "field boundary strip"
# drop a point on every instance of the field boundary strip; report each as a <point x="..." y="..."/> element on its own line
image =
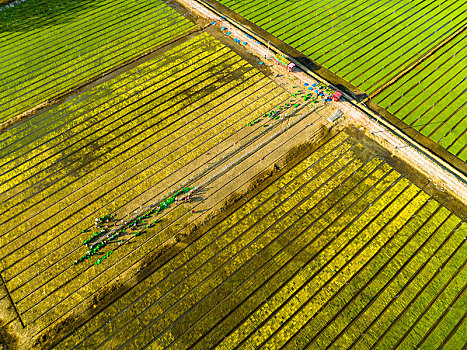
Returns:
<point x="219" y="162"/>
<point x="411" y="66"/>
<point x="373" y="111"/>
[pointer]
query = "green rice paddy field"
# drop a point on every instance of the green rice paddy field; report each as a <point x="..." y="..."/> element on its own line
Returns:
<point x="340" y="251"/>
<point x="369" y="42"/>
<point x="113" y="148"/>
<point x="432" y="97"/>
<point x="48" y="47"/>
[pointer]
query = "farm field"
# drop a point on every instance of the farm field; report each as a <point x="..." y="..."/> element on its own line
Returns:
<point x="113" y="148"/>
<point x="431" y="98"/>
<point x="340" y="250"/>
<point x="368" y="43"/>
<point x="48" y="47"/>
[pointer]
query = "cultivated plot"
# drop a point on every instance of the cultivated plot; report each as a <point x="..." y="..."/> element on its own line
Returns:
<point x="339" y="251"/>
<point x="364" y="42"/>
<point x="48" y="47"/>
<point x="431" y="97"/>
<point x="113" y="148"/>
<point x="369" y="42"/>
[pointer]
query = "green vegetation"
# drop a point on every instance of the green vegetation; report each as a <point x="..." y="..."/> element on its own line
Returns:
<point x="369" y="42"/>
<point x="111" y="149"/>
<point x="48" y="47"/>
<point x="431" y="99"/>
<point x="340" y="250"/>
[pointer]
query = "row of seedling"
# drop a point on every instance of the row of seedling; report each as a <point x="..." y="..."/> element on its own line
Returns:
<point x="99" y="222"/>
<point x="134" y="224"/>
<point x="264" y="221"/>
<point x="224" y="226"/>
<point x="274" y="114"/>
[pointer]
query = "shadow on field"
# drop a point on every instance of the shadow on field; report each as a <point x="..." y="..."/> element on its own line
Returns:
<point x="347" y="89"/>
<point x="36" y="14"/>
<point x="7" y="340"/>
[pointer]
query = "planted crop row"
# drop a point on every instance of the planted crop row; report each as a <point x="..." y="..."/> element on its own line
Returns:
<point x="366" y="43"/>
<point x="63" y="119"/>
<point x="182" y="156"/>
<point x="86" y="39"/>
<point x="430" y="97"/>
<point x="329" y="268"/>
<point x="205" y="248"/>
<point x="130" y="257"/>
<point x="262" y="230"/>
<point x="143" y="144"/>
<point x="335" y="248"/>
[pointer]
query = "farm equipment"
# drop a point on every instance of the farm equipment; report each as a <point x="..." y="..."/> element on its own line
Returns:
<point x="336" y="96"/>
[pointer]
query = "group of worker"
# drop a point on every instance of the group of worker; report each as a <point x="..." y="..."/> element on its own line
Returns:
<point x="133" y="225"/>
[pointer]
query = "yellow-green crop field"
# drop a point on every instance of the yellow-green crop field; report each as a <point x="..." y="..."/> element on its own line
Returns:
<point x="340" y="251"/>
<point x="48" y="47"/>
<point x="119" y="145"/>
